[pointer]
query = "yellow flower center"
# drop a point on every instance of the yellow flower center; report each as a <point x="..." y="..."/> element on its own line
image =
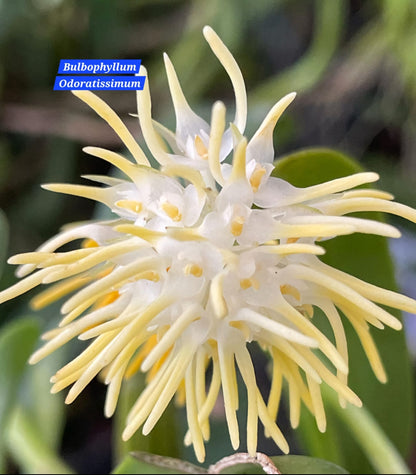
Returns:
<point x="193" y="269"/>
<point x="287" y="289"/>
<point x="151" y="275"/>
<point x="237" y="225"/>
<point x="256" y="177"/>
<point x="130" y="205"/>
<point x="172" y="211"/>
<point x="200" y="148"/>
<point x="251" y="282"/>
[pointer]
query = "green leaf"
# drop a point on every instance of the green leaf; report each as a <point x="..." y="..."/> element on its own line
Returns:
<point x="17" y="340"/>
<point x="35" y="396"/>
<point x="380" y="451"/>
<point x="38" y="401"/>
<point x="29" y="449"/>
<point x="160" y="441"/>
<point x="289" y="464"/>
<point x="4" y="239"/>
<point x="142" y="462"/>
<point x="368" y="258"/>
<point x="302" y="464"/>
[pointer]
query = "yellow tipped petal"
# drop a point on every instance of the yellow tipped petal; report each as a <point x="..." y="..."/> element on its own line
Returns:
<point x="368" y="193"/>
<point x="170" y="337"/>
<point x="289" y="350"/>
<point x="246" y="368"/>
<point x="309" y="329"/>
<point x="76" y="312"/>
<point x="359" y="225"/>
<point x="185" y="234"/>
<point x="334" y="186"/>
<point x="114" y="121"/>
<point x="295" y="248"/>
<point x="346" y="293"/>
<point x="239" y="161"/>
<point x="179" y="101"/>
<point x="168" y="135"/>
<point x="216" y="296"/>
<point x="23" y="286"/>
<point x="29" y="258"/>
<point x="317" y="404"/>
<point x="144" y="108"/>
<point x="211" y="398"/>
<point x="192" y="414"/>
<point x="275" y="392"/>
<point x="201" y="362"/>
<point x="329" y="378"/>
<point x="139" y="231"/>
<point x="113" y="392"/>
<point x="260" y="146"/>
<point x="111" y="281"/>
<point x="372" y="292"/>
<point x="340" y="338"/>
<point x="175" y="377"/>
<point x="230" y="65"/>
<point x="56" y="292"/>
<point x="283" y="230"/>
<point x="270" y="425"/>
<point x="268" y="124"/>
<point x="144" y="403"/>
<point x="115" y="159"/>
<point x="69" y="257"/>
<point x="123" y="360"/>
<point x="294" y="403"/>
<point x="371" y="352"/>
<point x="93" y="258"/>
<point x="190" y="174"/>
<point x="91" y="192"/>
<point x="276" y="328"/>
<point x="353" y="205"/>
<point x="217" y="130"/>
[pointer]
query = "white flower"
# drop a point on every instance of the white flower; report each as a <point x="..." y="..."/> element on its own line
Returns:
<point x="204" y="256"/>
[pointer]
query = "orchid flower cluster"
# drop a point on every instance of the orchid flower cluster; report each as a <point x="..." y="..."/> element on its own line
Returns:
<point x="206" y="256"/>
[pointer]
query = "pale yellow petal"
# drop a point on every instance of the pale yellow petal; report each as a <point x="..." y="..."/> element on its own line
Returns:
<point x="233" y="71"/>
<point x="107" y="113"/>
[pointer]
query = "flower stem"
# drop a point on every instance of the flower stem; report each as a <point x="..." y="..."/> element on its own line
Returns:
<point x="28" y="448"/>
<point x="379" y="449"/>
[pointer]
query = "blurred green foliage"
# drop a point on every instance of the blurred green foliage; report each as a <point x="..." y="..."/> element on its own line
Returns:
<point x="366" y="257"/>
<point x="352" y="63"/>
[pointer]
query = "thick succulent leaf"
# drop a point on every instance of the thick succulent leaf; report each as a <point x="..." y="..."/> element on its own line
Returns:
<point x="35" y="396"/>
<point x="143" y="462"/>
<point x="160" y="441"/>
<point x="290" y="464"/>
<point x="140" y="462"/>
<point x="17" y="340"/>
<point x="303" y="464"/>
<point x="28" y="449"/>
<point x="368" y="258"/>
